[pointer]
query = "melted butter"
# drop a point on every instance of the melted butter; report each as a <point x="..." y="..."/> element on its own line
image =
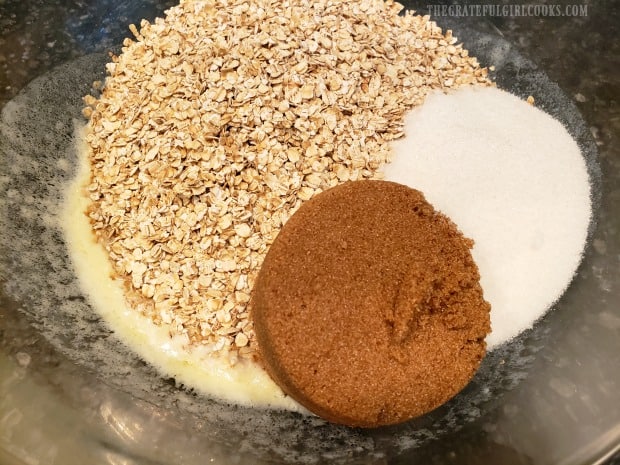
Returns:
<point x="246" y="383"/>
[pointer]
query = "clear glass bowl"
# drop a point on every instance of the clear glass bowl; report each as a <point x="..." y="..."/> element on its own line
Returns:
<point x="71" y="393"/>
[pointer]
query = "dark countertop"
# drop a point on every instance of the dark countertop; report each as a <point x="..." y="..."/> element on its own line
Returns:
<point x="580" y="53"/>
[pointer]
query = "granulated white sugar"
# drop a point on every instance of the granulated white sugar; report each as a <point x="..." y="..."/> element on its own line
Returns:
<point x="513" y="179"/>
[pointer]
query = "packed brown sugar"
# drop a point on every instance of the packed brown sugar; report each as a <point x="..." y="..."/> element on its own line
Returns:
<point x="368" y="309"/>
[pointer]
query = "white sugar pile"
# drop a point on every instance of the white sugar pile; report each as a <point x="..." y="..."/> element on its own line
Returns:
<point x="512" y="178"/>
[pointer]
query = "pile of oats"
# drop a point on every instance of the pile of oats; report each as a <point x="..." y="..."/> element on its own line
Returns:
<point x="219" y="120"/>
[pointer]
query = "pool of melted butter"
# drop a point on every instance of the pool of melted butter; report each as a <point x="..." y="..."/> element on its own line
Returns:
<point x="245" y="383"/>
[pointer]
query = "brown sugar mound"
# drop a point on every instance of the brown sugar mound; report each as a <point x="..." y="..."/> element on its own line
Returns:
<point x="368" y="309"/>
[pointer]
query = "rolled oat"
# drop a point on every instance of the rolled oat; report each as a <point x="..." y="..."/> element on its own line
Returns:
<point x="220" y="119"/>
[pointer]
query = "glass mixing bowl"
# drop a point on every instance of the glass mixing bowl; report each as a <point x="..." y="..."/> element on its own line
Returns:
<point x="71" y="393"/>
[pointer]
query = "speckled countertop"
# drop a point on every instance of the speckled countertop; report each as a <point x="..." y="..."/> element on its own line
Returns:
<point x="581" y="54"/>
